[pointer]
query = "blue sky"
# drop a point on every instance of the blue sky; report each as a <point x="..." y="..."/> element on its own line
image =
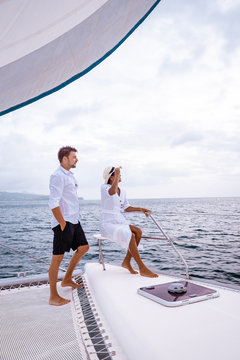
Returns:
<point x="165" y="106"/>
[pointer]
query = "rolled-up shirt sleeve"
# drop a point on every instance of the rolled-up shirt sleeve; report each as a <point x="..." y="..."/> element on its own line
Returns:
<point x="56" y="186"/>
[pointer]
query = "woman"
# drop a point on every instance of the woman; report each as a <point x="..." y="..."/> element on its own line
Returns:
<point x="114" y="226"/>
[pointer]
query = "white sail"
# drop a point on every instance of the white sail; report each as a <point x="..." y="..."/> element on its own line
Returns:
<point x="45" y="45"/>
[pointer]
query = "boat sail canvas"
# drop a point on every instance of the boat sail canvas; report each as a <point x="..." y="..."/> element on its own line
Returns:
<point x="46" y="45"/>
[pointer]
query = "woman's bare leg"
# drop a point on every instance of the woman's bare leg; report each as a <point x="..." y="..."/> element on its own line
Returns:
<point x="133" y="249"/>
<point x="126" y="262"/>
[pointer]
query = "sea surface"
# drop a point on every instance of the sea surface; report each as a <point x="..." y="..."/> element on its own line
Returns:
<point x="205" y="230"/>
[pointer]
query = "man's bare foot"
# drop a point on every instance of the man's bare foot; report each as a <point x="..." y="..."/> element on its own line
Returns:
<point x="148" y="273"/>
<point x="58" y="301"/>
<point x="129" y="268"/>
<point x="71" y="284"/>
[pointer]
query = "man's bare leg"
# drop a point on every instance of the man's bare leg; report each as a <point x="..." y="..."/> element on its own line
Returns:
<point x="144" y="271"/>
<point x="54" y="298"/>
<point x="126" y="262"/>
<point x="67" y="281"/>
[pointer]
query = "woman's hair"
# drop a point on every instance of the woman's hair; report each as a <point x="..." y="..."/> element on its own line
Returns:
<point x="65" y="151"/>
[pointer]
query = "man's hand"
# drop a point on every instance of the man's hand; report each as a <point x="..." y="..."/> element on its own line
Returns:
<point x="59" y="217"/>
<point x="63" y="225"/>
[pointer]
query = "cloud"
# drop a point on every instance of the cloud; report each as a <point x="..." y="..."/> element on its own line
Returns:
<point x="187" y="137"/>
<point x="69" y="113"/>
<point x="22" y="163"/>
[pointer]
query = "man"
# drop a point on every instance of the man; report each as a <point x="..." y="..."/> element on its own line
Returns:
<point x="68" y="233"/>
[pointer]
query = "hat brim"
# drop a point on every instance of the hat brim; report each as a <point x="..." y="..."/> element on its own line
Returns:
<point x="106" y="180"/>
<point x="107" y="173"/>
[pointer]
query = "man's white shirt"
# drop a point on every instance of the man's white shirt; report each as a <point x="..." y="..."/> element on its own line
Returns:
<point x="63" y="193"/>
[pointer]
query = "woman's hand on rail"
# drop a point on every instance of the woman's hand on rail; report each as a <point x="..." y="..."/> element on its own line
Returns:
<point x="133" y="208"/>
<point x="146" y="211"/>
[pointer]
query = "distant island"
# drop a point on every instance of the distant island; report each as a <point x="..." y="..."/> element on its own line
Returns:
<point x="13" y="196"/>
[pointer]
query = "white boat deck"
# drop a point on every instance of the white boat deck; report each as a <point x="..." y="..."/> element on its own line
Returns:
<point x="138" y="328"/>
<point x="145" y="329"/>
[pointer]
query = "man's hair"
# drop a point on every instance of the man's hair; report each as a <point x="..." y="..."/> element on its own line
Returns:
<point x="65" y="151"/>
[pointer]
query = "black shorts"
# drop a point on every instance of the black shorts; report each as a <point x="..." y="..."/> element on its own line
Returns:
<point x="70" y="238"/>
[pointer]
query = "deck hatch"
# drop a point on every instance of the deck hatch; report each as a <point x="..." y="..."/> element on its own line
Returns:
<point x="194" y="293"/>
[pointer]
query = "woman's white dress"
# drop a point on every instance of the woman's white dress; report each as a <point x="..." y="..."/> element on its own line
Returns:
<point x="113" y="224"/>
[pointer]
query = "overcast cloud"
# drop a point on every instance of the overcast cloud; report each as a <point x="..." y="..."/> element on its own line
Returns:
<point x="165" y="106"/>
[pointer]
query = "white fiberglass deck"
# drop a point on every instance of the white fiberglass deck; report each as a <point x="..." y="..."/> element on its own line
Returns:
<point x="147" y="330"/>
<point x="32" y="329"/>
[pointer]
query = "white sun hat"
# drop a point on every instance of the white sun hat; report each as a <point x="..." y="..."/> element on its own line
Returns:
<point x="107" y="172"/>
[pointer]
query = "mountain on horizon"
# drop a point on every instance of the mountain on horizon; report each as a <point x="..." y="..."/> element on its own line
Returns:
<point x="13" y="196"/>
<point x="5" y="195"/>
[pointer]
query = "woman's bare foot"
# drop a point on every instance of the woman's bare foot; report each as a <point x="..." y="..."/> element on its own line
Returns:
<point x="129" y="267"/>
<point x="71" y="284"/>
<point x="148" y="273"/>
<point x="58" y="301"/>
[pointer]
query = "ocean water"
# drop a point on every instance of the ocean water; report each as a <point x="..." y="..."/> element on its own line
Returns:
<point x="205" y="230"/>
